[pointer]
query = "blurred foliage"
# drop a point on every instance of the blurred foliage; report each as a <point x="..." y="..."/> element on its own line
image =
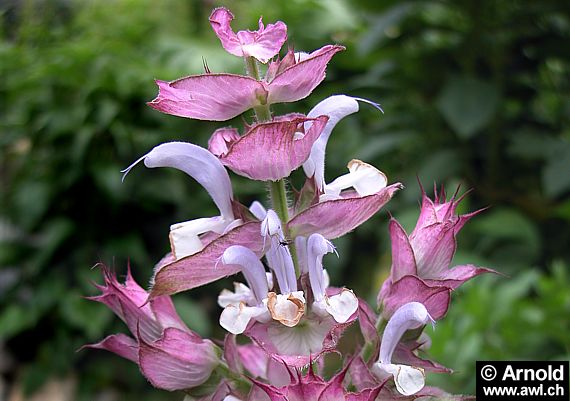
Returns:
<point x="505" y="319"/>
<point x="474" y="93"/>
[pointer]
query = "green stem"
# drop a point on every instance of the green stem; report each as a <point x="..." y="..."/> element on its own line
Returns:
<point x="262" y="112"/>
<point x="241" y="383"/>
<point x="280" y="205"/>
<point x="279" y="199"/>
<point x="367" y="351"/>
<point x="251" y="68"/>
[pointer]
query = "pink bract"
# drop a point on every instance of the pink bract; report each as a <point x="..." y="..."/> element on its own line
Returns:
<point x="262" y="44"/>
<point x="220" y="97"/>
<point x="268" y="151"/>
<point x="203" y="267"/>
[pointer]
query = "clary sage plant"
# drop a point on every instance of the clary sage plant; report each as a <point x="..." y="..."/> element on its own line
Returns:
<point x="286" y="311"/>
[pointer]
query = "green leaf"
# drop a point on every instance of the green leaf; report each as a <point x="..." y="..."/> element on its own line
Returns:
<point x="556" y="174"/>
<point x="15" y="319"/>
<point x="193" y="315"/>
<point x="468" y="104"/>
<point x="89" y="316"/>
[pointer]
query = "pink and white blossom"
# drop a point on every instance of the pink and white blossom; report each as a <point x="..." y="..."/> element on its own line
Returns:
<point x="408" y="379"/>
<point x="205" y="168"/>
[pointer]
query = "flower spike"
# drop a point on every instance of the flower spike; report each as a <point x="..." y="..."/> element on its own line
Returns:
<point x="285" y="307"/>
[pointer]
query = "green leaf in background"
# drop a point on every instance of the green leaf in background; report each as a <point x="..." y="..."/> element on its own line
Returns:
<point x="468" y="104"/>
<point x="523" y="317"/>
<point x="85" y="315"/>
<point x="556" y="173"/>
<point x="473" y="93"/>
<point x="193" y="315"/>
<point x="506" y="235"/>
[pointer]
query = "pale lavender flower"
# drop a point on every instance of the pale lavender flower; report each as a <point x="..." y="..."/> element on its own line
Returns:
<point x="408" y="379"/>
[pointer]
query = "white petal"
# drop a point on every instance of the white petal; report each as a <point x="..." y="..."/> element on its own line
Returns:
<point x="304" y="339"/>
<point x="231" y="398"/>
<point x="232" y="225"/>
<point x="278" y="256"/>
<point x="280" y="261"/>
<point x="336" y="108"/>
<point x="408" y="379"/>
<point x="317" y="247"/>
<point x="271" y="225"/>
<point x="235" y="318"/>
<point x="342" y="306"/>
<point x="326" y="277"/>
<point x="301" y="56"/>
<point x="363" y="177"/>
<point x="258" y="210"/>
<point x="185" y="237"/>
<point x="241" y="293"/>
<point x="200" y="164"/>
<point x="408" y="316"/>
<point x="251" y="267"/>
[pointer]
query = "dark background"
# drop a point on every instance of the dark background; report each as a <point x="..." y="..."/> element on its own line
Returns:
<point x="475" y="93"/>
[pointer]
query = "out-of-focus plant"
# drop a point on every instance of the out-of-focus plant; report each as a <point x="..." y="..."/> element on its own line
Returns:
<point x="74" y="76"/>
<point x="519" y="319"/>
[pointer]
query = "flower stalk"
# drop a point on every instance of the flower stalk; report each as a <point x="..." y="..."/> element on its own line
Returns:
<point x="262" y="111"/>
<point x="277" y="189"/>
<point x="286" y="313"/>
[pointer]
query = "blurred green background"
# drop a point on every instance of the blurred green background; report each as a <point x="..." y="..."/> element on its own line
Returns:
<point x="475" y="93"/>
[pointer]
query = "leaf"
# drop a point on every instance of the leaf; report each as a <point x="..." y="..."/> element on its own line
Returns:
<point x="468" y="104"/>
<point x="381" y="145"/>
<point x="556" y="173"/>
<point x="16" y="319"/>
<point x="380" y="23"/>
<point x="193" y="315"/>
<point x="86" y="315"/>
<point x="532" y="145"/>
